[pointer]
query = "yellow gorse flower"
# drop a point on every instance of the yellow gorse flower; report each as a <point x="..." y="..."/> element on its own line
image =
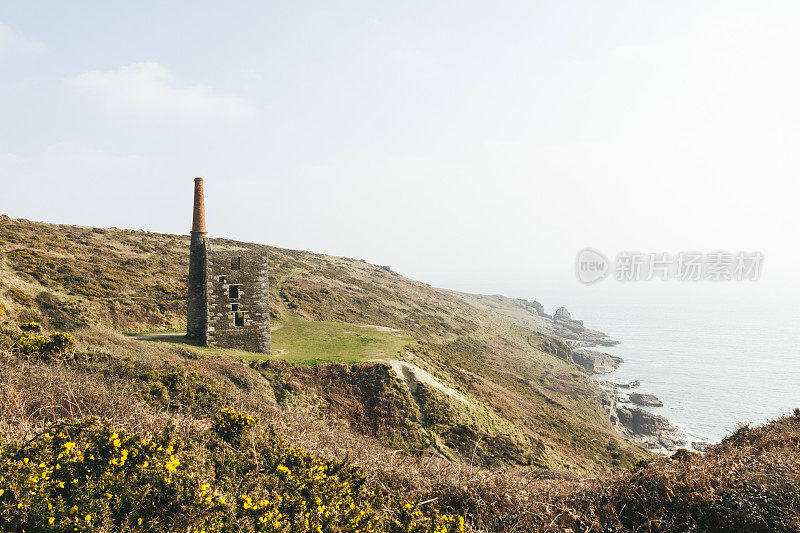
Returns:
<point x="172" y="464"/>
<point x="308" y="493"/>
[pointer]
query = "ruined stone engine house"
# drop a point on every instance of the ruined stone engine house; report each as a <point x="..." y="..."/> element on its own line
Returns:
<point x="228" y="302"/>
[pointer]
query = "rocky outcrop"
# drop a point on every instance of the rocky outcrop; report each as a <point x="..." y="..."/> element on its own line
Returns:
<point x="575" y="339"/>
<point x="647" y="400"/>
<point x="574" y="331"/>
<point x="592" y="361"/>
<point x="650" y="430"/>
<point x="534" y="308"/>
<point x="555" y="346"/>
<point x="628" y="385"/>
<point x="595" y="362"/>
<point x="654" y="431"/>
<point x="562" y="315"/>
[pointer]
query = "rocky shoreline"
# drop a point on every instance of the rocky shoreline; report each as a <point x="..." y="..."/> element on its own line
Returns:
<point x="653" y="431"/>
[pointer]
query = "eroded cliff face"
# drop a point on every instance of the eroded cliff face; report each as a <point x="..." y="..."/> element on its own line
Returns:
<point x="572" y="341"/>
<point x="563" y="325"/>
<point x="595" y="362"/>
<point x="653" y="431"/>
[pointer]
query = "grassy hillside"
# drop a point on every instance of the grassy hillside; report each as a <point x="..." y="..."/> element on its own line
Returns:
<point x="340" y="310"/>
<point x="179" y="461"/>
<point x="102" y="430"/>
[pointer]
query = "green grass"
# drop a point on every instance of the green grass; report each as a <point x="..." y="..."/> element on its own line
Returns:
<point x="300" y="340"/>
<point x="309" y="342"/>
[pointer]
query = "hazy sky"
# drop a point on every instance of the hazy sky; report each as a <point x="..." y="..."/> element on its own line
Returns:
<point x="471" y="145"/>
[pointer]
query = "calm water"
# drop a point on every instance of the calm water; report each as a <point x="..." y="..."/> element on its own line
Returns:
<point x="716" y="356"/>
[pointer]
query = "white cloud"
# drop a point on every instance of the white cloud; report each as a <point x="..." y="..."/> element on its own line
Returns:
<point x="147" y="89"/>
<point x="11" y="41"/>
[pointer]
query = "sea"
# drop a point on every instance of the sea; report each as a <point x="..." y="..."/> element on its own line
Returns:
<point x="718" y="355"/>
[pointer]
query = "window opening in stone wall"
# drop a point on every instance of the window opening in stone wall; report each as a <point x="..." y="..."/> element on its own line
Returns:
<point x="239" y="319"/>
<point x="233" y="291"/>
<point x="221" y="279"/>
<point x="236" y="263"/>
<point x="234" y="307"/>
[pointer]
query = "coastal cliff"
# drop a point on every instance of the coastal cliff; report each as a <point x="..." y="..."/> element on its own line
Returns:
<point x="653" y="431"/>
<point x="573" y="342"/>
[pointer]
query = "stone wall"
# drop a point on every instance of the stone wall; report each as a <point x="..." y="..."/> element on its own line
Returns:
<point x="237" y="291"/>
<point x="196" y="302"/>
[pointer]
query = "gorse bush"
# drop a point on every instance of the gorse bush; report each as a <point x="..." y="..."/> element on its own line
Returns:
<point x="30" y="326"/>
<point x="53" y="346"/>
<point x="171" y="387"/>
<point x="178" y="389"/>
<point x="87" y="477"/>
<point x="78" y="478"/>
<point x="20" y="297"/>
<point x="232" y="426"/>
<point x="682" y="454"/>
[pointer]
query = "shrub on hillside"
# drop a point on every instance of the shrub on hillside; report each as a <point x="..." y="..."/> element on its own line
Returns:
<point x="749" y="482"/>
<point x="682" y="454"/>
<point x="172" y="387"/>
<point x="87" y="477"/>
<point x="61" y="314"/>
<point x="178" y="389"/>
<point x="82" y="478"/>
<point x="30" y="327"/>
<point x="20" y="297"/>
<point x="54" y="346"/>
<point x="36" y="264"/>
<point x="233" y="426"/>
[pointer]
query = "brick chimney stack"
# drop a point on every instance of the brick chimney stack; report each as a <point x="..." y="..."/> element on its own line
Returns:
<point x="199" y="218"/>
<point x="196" y="304"/>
